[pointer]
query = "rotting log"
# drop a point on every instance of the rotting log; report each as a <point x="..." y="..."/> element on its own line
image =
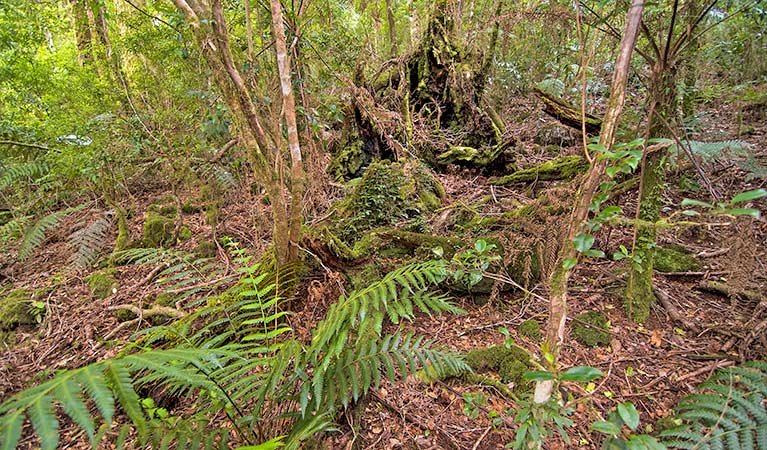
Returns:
<point x="568" y="114"/>
<point x="562" y="168"/>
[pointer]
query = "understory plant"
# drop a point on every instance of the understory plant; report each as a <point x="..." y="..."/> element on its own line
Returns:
<point x="238" y="356"/>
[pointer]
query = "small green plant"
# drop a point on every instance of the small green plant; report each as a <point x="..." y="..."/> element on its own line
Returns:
<point x="471" y="403"/>
<point x="37" y="310"/>
<point x="535" y="419"/>
<point x="620" y="426"/>
<point x="730" y="208"/>
<point x="470" y="265"/>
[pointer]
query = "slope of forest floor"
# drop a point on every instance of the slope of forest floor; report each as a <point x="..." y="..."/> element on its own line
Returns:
<point x="651" y="365"/>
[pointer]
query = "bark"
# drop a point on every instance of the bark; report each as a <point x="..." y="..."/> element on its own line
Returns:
<point x="289" y="105"/>
<point x="392" y="29"/>
<point x="209" y="29"/>
<point x="560" y="276"/>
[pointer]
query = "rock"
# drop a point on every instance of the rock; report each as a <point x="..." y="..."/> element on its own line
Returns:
<point x="555" y="134"/>
<point x="591" y="329"/>
<point x="158" y="230"/>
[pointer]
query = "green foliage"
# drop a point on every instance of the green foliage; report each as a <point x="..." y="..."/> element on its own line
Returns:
<point x="35" y="235"/>
<point x="242" y="359"/>
<point x="27" y="171"/>
<point x="102" y="283"/>
<point x="531" y="329"/>
<point x="728" y="412"/>
<point x="670" y="259"/>
<point x="90" y="241"/>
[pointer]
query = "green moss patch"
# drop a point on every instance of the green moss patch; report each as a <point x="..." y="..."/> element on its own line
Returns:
<point x="102" y="283"/>
<point x="15" y="311"/>
<point x="510" y="362"/>
<point x="674" y="259"/>
<point x="531" y="329"/>
<point x="158" y="230"/>
<point x="562" y="168"/>
<point x="591" y="329"/>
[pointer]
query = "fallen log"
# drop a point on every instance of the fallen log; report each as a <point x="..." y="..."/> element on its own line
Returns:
<point x="562" y="168"/>
<point x="568" y="114"/>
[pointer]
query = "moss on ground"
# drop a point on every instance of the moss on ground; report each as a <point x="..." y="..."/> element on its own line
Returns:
<point x="674" y="259"/>
<point x="531" y="329"/>
<point x="205" y="249"/>
<point x="349" y="162"/>
<point x="510" y="362"/>
<point x="158" y="230"/>
<point x="14" y="310"/>
<point x="102" y="283"/>
<point x="592" y="329"/>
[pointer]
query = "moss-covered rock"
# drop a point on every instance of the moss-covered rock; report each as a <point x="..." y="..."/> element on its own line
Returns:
<point x="674" y="259"/>
<point x="15" y="310"/>
<point x="421" y="184"/>
<point x="165" y="299"/>
<point x="159" y="230"/>
<point x="562" y="168"/>
<point x="592" y="329"/>
<point x="102" y="283"/>
<point x="510" y="362"/>
<point x="531" y="329"/>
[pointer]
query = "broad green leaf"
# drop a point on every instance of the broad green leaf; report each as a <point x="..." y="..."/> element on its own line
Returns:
<point x="606" y="427"/>
<point x="581" y="374"/>
<point x="538" y="375"/>
<point x="629" y="414"/>
<point x="691" y="202"/>
<point x="752" y="212"/>
<point x="583" y="242"/>
<point x="569" y="263"/>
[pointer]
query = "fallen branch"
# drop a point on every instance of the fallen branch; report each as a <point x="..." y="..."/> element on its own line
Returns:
<point x="672" y="310"/>
<point x="727" y="291"/>
<point x="156" y="310"/>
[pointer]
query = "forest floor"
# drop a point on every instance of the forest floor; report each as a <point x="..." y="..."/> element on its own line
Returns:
<point x="652" y="365"/>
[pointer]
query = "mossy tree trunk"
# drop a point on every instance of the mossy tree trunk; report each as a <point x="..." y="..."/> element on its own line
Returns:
<point x="83" y="35"/>
<point x="663" y="105"/>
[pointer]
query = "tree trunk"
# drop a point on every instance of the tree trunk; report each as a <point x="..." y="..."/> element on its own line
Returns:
<point x="559" y="278"/>
<point x="392" y="29"/>
<point x="297" y="179"/>
<point x="663" y="103"/>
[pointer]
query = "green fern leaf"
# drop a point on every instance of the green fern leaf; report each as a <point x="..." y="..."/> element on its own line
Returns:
<point x="68" y="394"/>
<point x="10" y="429"/>
<point x="122" y="386"/>
<point x="36" y="234"/>
<point x="92" y="379"/>
<point x="44" y="422"/>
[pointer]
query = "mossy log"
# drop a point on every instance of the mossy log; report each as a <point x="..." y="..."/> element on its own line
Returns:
<point x="562" y="168"/>
<point x="568" y="114"/>
<point x="492" y="159"/>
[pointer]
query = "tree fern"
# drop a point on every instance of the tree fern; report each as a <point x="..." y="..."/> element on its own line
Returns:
<point x="35" y="235"/>
<point x="729" y="413"/>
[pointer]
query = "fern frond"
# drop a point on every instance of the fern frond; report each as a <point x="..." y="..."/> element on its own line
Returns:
<point x="32" y="170"/>
<point x="217" y="173"/>
<point x="90" y="241"/>
<point x="729" y="413"/>
<point x="35" y="235"/>
<point x="713" y="151"/>
<point x="13" y="229"/>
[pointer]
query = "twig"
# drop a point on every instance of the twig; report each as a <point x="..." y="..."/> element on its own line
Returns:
<point x="157" y="310"/>
<point x="672" y="310"/>
<point x="707" y="368"/>
<point x="713" y="253"/>
<point x="479" y="441"/>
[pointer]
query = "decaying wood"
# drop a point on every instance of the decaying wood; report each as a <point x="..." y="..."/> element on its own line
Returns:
<point x="673" y="311"/>
<point x="568" y="114"/>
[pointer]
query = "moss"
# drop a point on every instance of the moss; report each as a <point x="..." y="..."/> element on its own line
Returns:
<point x="102" y="283"/>
<point x="124" y="315"/>
<point x="562" y="168"/>
<point x="123" y="232"/>
<point x="531" y="329"/>
<point x="14" y="310"/>
<point x="592" y="329"/>
<point x="670" y="259"/>
<point x="510" y="362"/>
<point x="188" y="208"/>
<point x="165" y="299"/>
<point x="349" y="161"/>
<point x="205" y="249"/>
<point x="375" y="201"/>
<point x="7" y="339"/>
<point x="364" y="277"/>
<point x="158" y="230"/>
<point x="185" y="233"/>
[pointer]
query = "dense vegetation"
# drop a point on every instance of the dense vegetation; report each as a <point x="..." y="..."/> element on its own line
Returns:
<point x="392" y="224"/>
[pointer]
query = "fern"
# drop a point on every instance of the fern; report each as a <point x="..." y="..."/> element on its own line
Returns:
<point x="13" y="229"/>
<point x="212" y="171"/>
<point x="716" y="151"/>
<point x="729" y="413"/>
<point x="90" y="241"/>
<point x="242" y="360"/>
<point x="30" y="170"/>
<point x="35" y="235"/>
